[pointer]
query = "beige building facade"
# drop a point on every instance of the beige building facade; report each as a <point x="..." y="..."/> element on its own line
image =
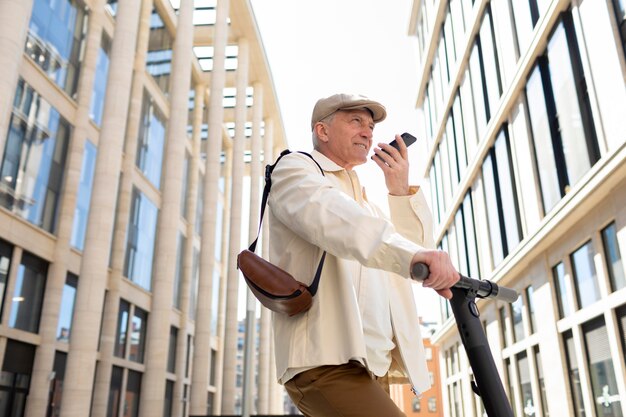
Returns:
<point x="523" y="105"/>
<point x="128" y="130"/>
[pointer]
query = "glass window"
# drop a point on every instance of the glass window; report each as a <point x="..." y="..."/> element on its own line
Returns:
<point x="584" y="272"/>
<point x="469" y="119"/>
<point x="219" y="230"/>
<point x="56" y="385"/>
<point x="530" y="296"/>
<point x="151" y="141"/>
<point x="453" y="163"/>
<point x="489" y="55"/>
<point x="64" y="326"/>
<point x="178" y="276"/>
<point x="478" y="92"/>
<point x="603" y="380"/>
<point x="122" y="329"/>
<point x="541" y="132"/>
<point x="501" y="199"/>
<point x="55" y="34"/>
<point x="215" y="297"/>
<point x="504" y="324"/>
<point x="524" y="24"/>
<point x="470" y="235"/>
<point x="441" y="203"/>
<point x="542" y="385"/>
<point x="493" y="219"/>
<point x="621" y="319"/>
<point x="517" y="317"/>
<point x="580" y="148"/>
<point x="28" y="294"/>
<point x="432" y="404"/>
<point x="620" y="15"/>
<point x="6" y="254"/>
<point x="525" y="386"/>
<point x="100" y="80"/>
<point x="574" y="375"/>
<point x="613" y="257"/>
<point x="193" y="288"/>
<point x="508" y="195"/>
<point x="184" y="196"/>
<point x="15" y="377"/>
<point x="199" y="205"/>
<point x="115" y="392"/>
<point x="169" y="399"/>
<point x="459" y="227"/>
<point x="432" y="178"/>
<point x="34" y="159"/>
<point x="448" y="36"/>
<point x="171" y="353"/>
<point x="562" y="290"/>
<point x="83" y="197"/>
<point x="562" y="126"/>
<point x="140" y="240"/>
<point x="138" y="335"/>
<point x="160" y="44"/>
<point x="416" y="404"/>
<point x="459" y="133"/>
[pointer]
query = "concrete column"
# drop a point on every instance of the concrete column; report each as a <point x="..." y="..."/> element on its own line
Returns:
<point x="202" y="340"/>
<point x="158" y="332"/>
<point x="221" y="316"/>
<point x="44" y="359"/>
<point x="194" y="170"/>
<point x="112" y="303"/>
<point x="14" y="18"/>
<point x="265" y="375"/>
<point x="249" y="368"/>
<point x="230" y="337"/>
<point x="79" y="373"/>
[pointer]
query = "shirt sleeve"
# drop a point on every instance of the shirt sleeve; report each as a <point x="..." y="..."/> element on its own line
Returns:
<point x="310" y="205"/>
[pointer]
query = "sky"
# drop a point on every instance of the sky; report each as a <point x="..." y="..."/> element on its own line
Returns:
<point x="322" y="47"/>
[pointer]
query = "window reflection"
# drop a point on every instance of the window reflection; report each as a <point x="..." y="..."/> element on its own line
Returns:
<point x="159" y="61"/>
<point x="574" y="375"/>
<point x="64" y="326"/>
<point x="151" y="141"/>
<point x="83" y="197"/>
<point x="140" y="240"/>
<point x="33" y="165"/>
<point x="613" y="257"/>
<point x="584" y="272"/>
<point x="100" y="80"/>
<point x="28" y="294"/>
<point x="55" y="34"/>
<point x="603" y="381"/>
<point x="562" y="290"/>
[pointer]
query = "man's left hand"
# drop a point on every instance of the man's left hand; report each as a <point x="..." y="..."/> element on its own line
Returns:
<point x="395" y="166"/>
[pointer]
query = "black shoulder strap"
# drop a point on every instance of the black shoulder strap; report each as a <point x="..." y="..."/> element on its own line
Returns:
<point x="266" y="191"/>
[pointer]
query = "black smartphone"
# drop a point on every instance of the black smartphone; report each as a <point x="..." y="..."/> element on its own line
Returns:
<point x="408" y="139"/>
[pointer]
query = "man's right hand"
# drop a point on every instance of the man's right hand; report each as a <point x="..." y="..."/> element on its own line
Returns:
<point x="442" y="275"/>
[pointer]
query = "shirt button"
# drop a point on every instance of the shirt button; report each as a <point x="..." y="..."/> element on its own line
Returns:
<point x="396" y="268"/>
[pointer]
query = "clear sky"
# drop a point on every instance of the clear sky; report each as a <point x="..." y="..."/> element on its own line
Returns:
<point x="319" y="48"/>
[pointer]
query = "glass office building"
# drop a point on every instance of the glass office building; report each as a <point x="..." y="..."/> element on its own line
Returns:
<point x="126" y="130"/>
<point x="523" y="104"/>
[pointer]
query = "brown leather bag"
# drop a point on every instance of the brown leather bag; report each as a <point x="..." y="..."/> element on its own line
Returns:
<point x="275" y="288"/>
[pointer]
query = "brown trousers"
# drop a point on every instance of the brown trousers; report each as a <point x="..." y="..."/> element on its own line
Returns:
<point x="345" y="390"/>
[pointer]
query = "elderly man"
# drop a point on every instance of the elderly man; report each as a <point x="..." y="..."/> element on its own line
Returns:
<point x="362" y="331"/>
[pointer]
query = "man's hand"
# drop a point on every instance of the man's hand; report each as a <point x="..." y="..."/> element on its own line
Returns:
<point x="395" y="166"/>
<point x="442" y="275"/>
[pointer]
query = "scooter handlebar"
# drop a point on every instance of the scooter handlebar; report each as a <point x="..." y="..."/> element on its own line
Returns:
<point x="483" y="288"/>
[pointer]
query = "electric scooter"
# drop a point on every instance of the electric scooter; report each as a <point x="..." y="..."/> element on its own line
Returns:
<point x="488" y="385"/>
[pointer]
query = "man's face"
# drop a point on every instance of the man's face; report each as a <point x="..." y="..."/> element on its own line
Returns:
<point x="348" y="137"/>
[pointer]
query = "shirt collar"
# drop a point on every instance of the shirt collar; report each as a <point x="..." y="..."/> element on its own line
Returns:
<point x="325" y="163"/>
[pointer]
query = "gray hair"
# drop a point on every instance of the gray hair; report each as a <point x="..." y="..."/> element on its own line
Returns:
<point x="314" y="138"/>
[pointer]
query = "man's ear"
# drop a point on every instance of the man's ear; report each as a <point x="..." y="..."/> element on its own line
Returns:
<point x="321" y="131"/>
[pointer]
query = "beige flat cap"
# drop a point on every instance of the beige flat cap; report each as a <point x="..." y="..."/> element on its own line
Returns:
<point x="327" y="106"/>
